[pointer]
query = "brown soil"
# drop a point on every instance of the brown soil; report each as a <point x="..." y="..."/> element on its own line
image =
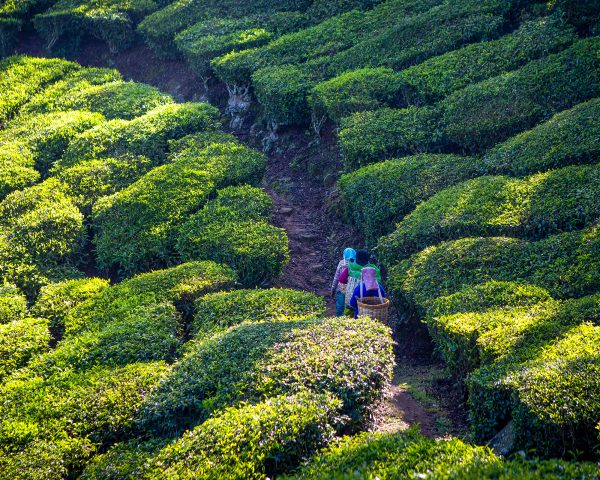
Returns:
<point x="301" y="174"/>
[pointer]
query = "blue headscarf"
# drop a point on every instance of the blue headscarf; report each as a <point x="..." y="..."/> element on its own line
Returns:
<point x="350" y="254"/>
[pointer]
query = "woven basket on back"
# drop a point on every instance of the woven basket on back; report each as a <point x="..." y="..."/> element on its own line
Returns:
<point x="374" y="308"/>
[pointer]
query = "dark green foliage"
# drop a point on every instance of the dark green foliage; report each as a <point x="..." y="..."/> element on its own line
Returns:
<point x="13" y="15"/>
<point x="251" y="441"/>
<point x="145" y="135"/>
<point x="20" y="340"/>
<point x="562" y="264"/>
<point x="111" y="21"/>
<point x="21" y="77"/>
<point x="585" y="15"/>
<point x="52" y="98"/>
<point x="51" y="426"/>
<point x="226" y="309"/>
<point x="9" y="31"/>
<point x="570" y="137"/>
<point x="181" y="285"/>
<point x="377" y="196"/>
<point x="546" y="203"/>
<point x="368" y="136"/>
<point x="489" y="112"/>
<point x="234" y="229"/>
<point x="48" y="135"/>
<point x="136" y="228"/>
<point x="88" y="181"/>
<point x="349" y="358"/>
<point x="393" y="456"/>
<point x="57" y="300"/>
<point x="13" y="304"/>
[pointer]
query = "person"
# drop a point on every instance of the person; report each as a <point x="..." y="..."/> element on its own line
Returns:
<point x="337" y="288"/>
<point x="367" y="287"/>
<point x="353" y="269"/>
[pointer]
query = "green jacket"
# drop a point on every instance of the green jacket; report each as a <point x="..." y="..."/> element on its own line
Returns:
<point x="354" y="270"/>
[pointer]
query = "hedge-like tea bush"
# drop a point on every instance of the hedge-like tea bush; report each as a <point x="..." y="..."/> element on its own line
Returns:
<point x="88" y="181"/>
<point x="13" y="304"/>
<point x="390" y="456"/>
<point x="257" y="360"/>
<point x="20" y="340"/>
<point x="560" y="264"/>
<point x="21" y="77"/>
<point x="57" y="300"/>
<point x="50" y="427"/>
<point x="9" y="32"/>
<point x="251" y="441"/>
<point x="234" y="229"/>
<point x="136" y="228"/>
<point x="570" y="137"/>
<point x="546" y="203"/>
<point x="16" y="168"/>
<point x="491" y="111"/>
<point x="368" y="136"/>
<point x="181" y="285"/>
<point x="377" y="196"/>
<point x="48" y="135"/>
<point x="226" y="309"/>
<point x="111" y="21"/>
<point x="145" y="135"/>
<point x="53" y="96"/>
<point x="118" y="99"/>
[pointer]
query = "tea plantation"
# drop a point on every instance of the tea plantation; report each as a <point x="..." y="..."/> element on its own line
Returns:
<point x="141" y="335"/>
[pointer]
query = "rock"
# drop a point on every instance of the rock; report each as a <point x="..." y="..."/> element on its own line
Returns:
<point x="503" y="443"/>
<point x="286" y="210"/>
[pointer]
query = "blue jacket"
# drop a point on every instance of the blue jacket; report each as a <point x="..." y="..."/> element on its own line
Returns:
<point x="366" y="293"/>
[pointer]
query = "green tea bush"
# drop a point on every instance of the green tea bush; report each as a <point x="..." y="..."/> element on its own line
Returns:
<point x="570" y="137"/>
<point x="390" y="456"/>
<point x="368" y="136"/>
<point x="350" y="358"/>
<point x="17" y="168"/>
<point x="57" y="300"/>
<point x="12" y="18"/>
<point x="180" y="285"/>
<point x="50" y="427"/>
<point x="377" y="196"/>
<point x="13" y="304"/>
<point x="48" y="135"/>
<point x="234" y="229"/>
<point x="546" y="203"/>
<point x="226" y="309"/>
<point x="251" y="441"/>
<point x="584" y="15"/>
<point x="21" y="77"/>
<point x="88" y="181"/>
<point x="562" y="264"/>
<point x="136" y="228"/>
<point x="118" y="99"/>
<point x="483" y="114"/>
<point x="145" y="135"/>
<point x="9" y="32"/>
<point x="20" y="340"/>
<point x="53" y="96"/>
<point x="111" y="21"/>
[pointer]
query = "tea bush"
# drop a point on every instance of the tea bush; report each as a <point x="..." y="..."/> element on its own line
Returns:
<point x="20" y="340"/>
<point x="145" y="135"/>
<point x="560" y="264"/>
<point x="136" y="228"/>
<point x="180" y="285"/>
<point x="570" y="137"/>
<point x="48" y="135"/>
<point x="251" y="441"/>
<point x="491" y="111"/>
<point x="16" y="168"/>
<point x="108" y="20"/>
<point x="368" y="136"/>
<point x="89" y="181"/>
<point x="13" y="304"/>
<point x="57" y="300"/>
<point x="226" y="309"/>
<point x="389" y="456"/>
<point x="233" y="229"/>
<point x="257" y="360"/>
<point x="21" y="77"/>
<point x="377" y="196"/>
<point x="546" y="203"/>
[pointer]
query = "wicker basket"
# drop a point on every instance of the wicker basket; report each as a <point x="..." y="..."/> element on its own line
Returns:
<point x="350" y="286"/>
<point x="374" y="308"/>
